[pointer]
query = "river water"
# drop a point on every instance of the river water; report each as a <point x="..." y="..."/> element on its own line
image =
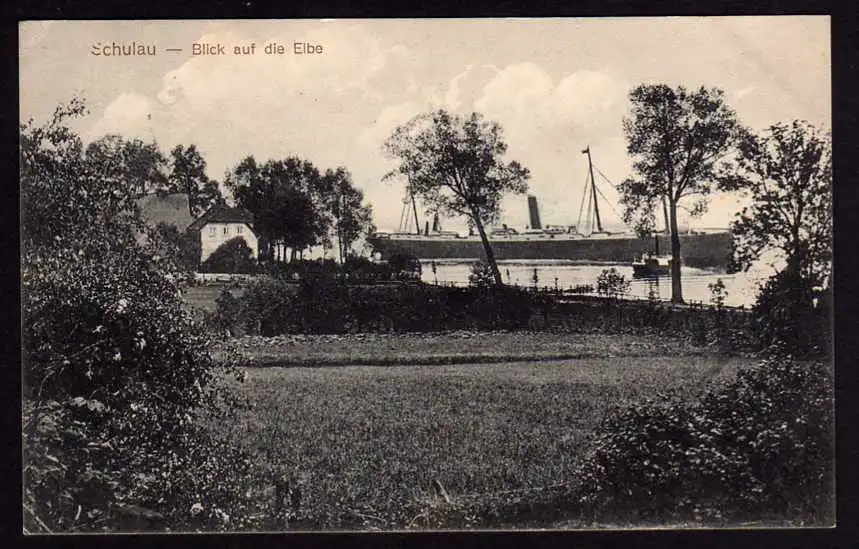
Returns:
<point x="741" y="288"/>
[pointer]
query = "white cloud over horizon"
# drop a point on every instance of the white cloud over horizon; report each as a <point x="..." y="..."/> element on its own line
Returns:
<point x="565" y="92"/>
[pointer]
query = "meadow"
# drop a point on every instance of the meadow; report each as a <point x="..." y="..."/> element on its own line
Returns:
<point x="444" y="446"/>
<point x="449" y="347"/>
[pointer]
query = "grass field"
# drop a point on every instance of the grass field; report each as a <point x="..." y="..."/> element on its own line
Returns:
<point x="459" y="347"/>
<point x="366" y="443"/>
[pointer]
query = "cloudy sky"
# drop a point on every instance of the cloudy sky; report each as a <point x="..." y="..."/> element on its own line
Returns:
<point x="555" y="85"/>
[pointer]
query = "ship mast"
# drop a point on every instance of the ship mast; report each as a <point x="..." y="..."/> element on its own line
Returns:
<point x="593" y="189"/>
<point x="414" y="209"/>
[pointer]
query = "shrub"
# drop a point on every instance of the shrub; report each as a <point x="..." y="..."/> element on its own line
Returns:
<point x="270" y="306"/>
<point x="786" y="314"/>
<point x="481" y="275"/>
<point x="718" y="294"/>
<point x="227" y="312"/>
<point x="233" y="256"/>
<point x="758" y="447"/>
<point x="266" y="307"/>
<point x="404" y="266"/>
<point x="116" y="375"/>
<point x="611" y="283"/>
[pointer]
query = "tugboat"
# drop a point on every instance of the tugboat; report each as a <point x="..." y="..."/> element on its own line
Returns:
<point x="651" y="264"/>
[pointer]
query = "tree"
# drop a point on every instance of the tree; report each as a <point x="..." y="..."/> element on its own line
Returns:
<point x="188" y="175"/>
<point x="233" y="256"/>
<point x="132" y="162"/>
<point x="454" y="164"/>
<point x="284" y="198"/>
<point x="677" y="139"/>
<point x="351" y="218"/>
<point x="184" y="247"/>
<point x="787" y="174"/>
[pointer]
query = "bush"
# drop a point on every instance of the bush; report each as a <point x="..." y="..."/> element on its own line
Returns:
<point x="233" y="256"/>
<point x="718" y="294"/>
<point x="758" y="447"/>
<point x="786" y="314"/>
<point x="117" y="377"/>
<point x="481" y="275"/>
<point x="265" y="308"/>
<point x="270" y="307"/>
<point x="404" y="266"/>
<point x="611" y="283"/>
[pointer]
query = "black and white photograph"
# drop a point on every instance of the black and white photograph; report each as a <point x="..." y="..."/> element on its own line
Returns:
<point x="410" y="275"/>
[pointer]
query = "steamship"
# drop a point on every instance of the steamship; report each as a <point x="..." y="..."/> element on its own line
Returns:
<point x="704" y="249"/>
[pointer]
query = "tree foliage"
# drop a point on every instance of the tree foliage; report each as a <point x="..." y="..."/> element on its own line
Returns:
<point x="115" y="371"/>
<point x="351" y="219"/>
<point x="141" y="166"/>
<point x="69" y="197"/>
<point x="455" y="165"/>
<point x="188" y="175"/>
<point x="183" y="247"/>
<point x="285" y="198"/>
<point x="787" y="174"/>
<point x="233" y="256"/>
<point x="678" y="139"/>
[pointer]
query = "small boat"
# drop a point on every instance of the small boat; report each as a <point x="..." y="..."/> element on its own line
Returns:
<point x="650" y="265"/>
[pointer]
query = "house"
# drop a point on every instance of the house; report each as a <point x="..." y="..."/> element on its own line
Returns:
<point x="220" y="224"/>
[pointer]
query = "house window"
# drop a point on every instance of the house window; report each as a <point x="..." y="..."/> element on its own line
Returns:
<point x="211" y="231"/>
<point x="239" y="229"/>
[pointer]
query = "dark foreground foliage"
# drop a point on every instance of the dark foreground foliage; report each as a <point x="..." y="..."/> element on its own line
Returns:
<point x="759" y="447"/>
<point x="788" y="313"/>
<point x="274" y="306"/>
<point x="116" y="373"/>
<point x="353" y="270"/>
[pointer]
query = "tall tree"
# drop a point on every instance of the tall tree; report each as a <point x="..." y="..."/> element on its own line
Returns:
<point x="188" y="175"/>
<point x="677" y="139"/>
<point x="787" y="173"/>
<point x="132" y="162"/>
<point x="351" y="218"/>
<point x="283" y="197"/>
<point x="455" y="165"/>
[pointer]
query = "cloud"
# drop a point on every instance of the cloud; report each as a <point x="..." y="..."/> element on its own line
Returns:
<point x="337" y="108"/>
<point x="546" y="122"/>
<point x="129" y="114"/>
<point x="270" y="106"/>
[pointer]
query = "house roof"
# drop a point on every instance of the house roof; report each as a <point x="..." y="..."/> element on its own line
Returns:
<point x="221" y="213"/>
<point x="171" y="209"/>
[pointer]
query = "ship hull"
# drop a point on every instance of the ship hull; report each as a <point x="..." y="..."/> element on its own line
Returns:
<point x="711" y="250"/>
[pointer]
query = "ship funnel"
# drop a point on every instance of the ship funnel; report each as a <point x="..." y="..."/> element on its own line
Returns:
<point x="534" y="212"/>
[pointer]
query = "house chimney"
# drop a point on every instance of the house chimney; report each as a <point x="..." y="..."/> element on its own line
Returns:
<point x="534" y="212"/>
